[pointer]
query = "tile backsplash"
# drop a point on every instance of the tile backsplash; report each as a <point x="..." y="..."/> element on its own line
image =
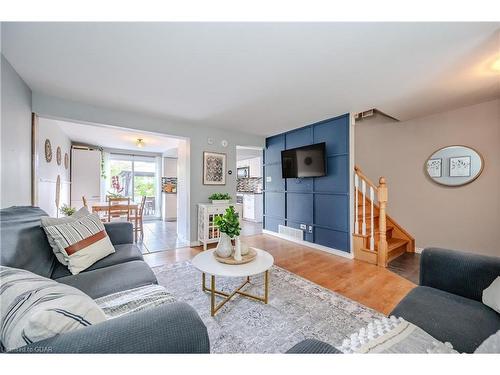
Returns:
<point x="251" y="184"/>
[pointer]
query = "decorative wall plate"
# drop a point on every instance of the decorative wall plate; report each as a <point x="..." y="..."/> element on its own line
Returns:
<point x="58" y="155"/>
<point x="48" y="151"/>
<point x="66" y="160"/>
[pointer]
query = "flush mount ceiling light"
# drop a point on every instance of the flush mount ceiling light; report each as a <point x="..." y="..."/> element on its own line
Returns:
<point x="139" y="142"/>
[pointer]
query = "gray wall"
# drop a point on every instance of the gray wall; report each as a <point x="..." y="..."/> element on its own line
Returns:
<point x="16" y="138"/>
<point x="49" y="106"/>
<point x="466" y="217"/>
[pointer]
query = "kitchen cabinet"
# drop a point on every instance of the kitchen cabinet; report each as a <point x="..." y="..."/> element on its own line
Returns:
<point x="252" y="207"/>
<point x="255" y="165"/>
<point x="169" y="206"/>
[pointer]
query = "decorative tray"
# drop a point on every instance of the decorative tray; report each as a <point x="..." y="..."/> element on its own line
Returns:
<point x="244" y="258"/>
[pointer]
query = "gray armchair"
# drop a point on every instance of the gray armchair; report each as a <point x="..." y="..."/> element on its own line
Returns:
<point x="447" y="303"/>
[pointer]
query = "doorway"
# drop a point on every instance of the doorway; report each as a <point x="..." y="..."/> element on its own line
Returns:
<point x="249" y="186"/>
<point x="93" y="161"/>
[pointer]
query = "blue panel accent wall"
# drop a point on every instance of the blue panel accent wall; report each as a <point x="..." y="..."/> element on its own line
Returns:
<point x="319" y="202"/>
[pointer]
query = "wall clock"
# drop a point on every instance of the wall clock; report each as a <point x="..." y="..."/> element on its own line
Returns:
<point x="48" y="151"/>
<point x="58" y="155"/>
<point x="66" y="160"/>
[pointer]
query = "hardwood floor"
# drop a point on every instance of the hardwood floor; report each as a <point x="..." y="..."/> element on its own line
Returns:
<point x="407" y="266"/>
<point x="370" y="285"/>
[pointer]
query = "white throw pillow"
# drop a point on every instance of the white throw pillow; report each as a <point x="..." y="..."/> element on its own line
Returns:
<point x="49" y="221"/>
<point x="35" y="308"/>
<point x="491" y="295"/>
<point x="490" y="345"/>
<point x="81" y="242"/>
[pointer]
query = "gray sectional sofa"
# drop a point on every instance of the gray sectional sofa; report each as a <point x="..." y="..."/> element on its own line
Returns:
<point x="171" y="328"/>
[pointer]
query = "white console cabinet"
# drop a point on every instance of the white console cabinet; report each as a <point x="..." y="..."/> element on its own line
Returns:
<point x="207" y="231"/>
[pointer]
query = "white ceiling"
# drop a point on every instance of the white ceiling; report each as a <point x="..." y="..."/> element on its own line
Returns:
<point x="260" y="78"/>
<point x="117" y="138"/>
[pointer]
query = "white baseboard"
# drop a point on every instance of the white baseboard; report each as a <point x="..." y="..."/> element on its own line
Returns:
<point x="310" y="244"/>
<point x="195" y="243"/>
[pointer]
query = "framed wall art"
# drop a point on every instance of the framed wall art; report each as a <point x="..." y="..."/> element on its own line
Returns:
<point x="434" y="167"/>
<point x="214" y="168"/>
<point x="460" y="166"/>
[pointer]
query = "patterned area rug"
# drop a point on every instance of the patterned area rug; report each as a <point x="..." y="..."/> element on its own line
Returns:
<point x="297" y="309"/>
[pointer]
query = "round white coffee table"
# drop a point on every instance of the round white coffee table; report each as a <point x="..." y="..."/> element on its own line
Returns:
<point x="207" y="264"/>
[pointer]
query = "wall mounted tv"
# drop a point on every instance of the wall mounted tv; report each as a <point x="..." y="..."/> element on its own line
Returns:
<point x="306" y="161"/>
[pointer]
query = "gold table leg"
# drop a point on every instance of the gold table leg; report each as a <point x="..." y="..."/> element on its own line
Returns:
<point x="227" y="296"/>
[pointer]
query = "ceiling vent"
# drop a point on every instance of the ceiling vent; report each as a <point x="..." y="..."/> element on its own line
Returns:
<point x="371" y="113"/>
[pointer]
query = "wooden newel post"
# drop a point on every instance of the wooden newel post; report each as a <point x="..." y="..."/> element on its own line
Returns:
<point x="382" y="243"/>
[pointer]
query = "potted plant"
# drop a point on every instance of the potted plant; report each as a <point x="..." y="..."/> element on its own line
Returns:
<point x="219" y="198"/>
<point x="229" y="227"/>
<point x="67" y="210"/>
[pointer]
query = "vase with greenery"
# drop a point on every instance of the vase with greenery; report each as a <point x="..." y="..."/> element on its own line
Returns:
<point x="220" y="198"/>
<point x="229" y="227"/>
<point x="67" y="210"/>
<point x="117" y="188"/>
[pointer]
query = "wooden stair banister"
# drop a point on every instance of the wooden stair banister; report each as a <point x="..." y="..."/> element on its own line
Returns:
<point x="376" y="242"/>
<point x="382" y="224"/>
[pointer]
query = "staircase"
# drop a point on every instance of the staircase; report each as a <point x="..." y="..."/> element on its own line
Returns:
<point x="377" y="238"/>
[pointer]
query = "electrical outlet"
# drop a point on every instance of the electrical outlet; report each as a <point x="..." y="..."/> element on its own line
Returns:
<point x="310" y="228"/>
<point x="303" y="226"/>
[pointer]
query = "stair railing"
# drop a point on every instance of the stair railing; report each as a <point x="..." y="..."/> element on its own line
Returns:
<point x="361" y="182"/>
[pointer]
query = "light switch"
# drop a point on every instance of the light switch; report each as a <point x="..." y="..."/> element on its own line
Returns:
<point x="268" y="179"/>
<point x="310" y="229"/>
<point x="303" y="226"/>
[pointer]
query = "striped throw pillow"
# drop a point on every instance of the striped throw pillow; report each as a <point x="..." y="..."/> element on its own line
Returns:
<point x="35" y="308"/>
<point x="49" y="221"/>
<point x="81" y="242"/>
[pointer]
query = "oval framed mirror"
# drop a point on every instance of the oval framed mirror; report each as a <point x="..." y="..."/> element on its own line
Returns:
<point x="454" y="165"/>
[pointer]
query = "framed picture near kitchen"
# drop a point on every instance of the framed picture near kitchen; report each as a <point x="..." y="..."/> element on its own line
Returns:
<point x="214" y="168"/>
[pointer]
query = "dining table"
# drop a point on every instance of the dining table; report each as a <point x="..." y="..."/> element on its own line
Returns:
<point x="104" y="206"/>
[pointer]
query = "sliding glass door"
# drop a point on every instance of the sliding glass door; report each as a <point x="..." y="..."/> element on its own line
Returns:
<point x="135" y="177"/>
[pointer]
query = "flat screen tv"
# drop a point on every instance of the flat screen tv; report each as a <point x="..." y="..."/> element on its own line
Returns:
<point x="306" y="161"/>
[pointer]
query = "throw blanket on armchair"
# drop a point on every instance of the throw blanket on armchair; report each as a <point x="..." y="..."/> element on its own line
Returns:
<point x="393" y="335"/>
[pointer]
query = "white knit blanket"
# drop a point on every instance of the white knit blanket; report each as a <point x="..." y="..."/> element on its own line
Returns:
<point x="393" y="335"/>
<point x="133" y="300"/>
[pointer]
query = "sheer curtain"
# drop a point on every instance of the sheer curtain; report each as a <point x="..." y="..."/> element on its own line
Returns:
<point x="159" y="174"/>
<point x="105" y="180"/>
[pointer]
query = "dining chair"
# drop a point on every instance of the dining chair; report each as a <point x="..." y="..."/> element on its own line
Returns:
<point x="140" y="216"/>
<point x="84" y="200"/>
<point x="118" y="208"/>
